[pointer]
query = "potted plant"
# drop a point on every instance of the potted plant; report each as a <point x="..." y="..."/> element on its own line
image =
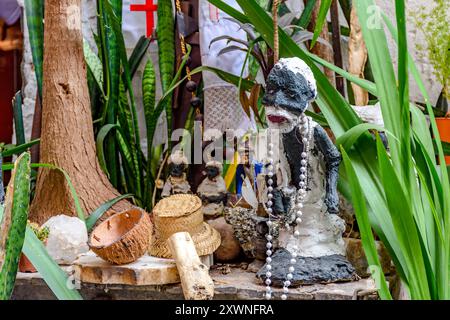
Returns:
<point x="435" y="26"/>
<point x="443" y="123"/>
<point x="42" y="234"/>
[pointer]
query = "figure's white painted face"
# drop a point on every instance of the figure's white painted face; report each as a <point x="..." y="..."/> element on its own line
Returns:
<point x="289" y="89"/>
<point x="281" y="119"/>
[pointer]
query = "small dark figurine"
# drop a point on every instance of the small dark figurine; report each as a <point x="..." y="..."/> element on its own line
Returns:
<point x="213" y="190"/>
<point x="302" y="175"/>
<point x="177" y="182"/>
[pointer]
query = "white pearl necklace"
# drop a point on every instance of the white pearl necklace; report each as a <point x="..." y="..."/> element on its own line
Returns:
<point x="306" y="133"/>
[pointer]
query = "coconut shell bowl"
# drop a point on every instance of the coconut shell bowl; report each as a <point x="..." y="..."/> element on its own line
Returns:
<point x="123" y="237"/>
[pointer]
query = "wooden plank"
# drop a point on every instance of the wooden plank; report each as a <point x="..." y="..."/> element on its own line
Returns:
<point x="146" y="270"/>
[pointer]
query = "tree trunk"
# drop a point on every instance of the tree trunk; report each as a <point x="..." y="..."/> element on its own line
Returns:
<point x="67" y="138"/>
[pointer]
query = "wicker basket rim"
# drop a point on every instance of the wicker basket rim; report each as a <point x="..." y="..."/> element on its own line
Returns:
<point x="204" y="243"/>
<point x="177" y="205"/>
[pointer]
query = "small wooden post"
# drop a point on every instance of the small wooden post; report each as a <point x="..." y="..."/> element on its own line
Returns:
<point x="194" y="275"/>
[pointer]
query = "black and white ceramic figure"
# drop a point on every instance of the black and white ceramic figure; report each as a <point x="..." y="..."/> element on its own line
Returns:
<point x="305" y="163"/>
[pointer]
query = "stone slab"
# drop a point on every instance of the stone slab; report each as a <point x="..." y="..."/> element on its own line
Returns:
<point x="231" y="283"/>
<point x="147" y="270"/>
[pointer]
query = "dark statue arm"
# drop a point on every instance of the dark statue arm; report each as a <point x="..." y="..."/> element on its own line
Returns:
<point x="332" y="160"/>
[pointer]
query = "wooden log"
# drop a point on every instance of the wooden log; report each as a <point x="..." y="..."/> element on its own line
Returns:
<point x="357" y="58"/>
<point x="195" y="279"/>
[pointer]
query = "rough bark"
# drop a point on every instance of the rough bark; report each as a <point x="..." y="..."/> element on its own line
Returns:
<point x="67" y="138"/>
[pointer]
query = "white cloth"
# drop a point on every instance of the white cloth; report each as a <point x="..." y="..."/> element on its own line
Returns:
<point x="212" y="25"/>
<point x="10" y="11"/>
<point x="222" y="107"/>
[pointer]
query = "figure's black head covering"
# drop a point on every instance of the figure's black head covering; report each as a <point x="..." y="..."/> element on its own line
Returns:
<point x="288" y="88"/>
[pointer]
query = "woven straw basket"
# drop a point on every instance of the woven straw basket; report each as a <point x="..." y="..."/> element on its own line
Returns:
<point x="181" y="213"/>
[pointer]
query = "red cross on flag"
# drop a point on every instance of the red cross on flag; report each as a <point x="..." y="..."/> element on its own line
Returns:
<point x="149" y="9"/>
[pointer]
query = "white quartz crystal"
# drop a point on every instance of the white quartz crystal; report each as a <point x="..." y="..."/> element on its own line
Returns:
<point x="67" y="239"/>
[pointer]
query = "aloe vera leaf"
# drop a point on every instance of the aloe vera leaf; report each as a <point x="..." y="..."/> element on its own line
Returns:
<point x="13" y="224"/>
<point x="55" y="277"/>
<point x="97" y="213"/>
<point x="18" y="148"/>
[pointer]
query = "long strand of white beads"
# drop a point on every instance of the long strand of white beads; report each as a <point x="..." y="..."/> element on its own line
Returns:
<point x="306" y="134"/>
<point x="269" y="245"/>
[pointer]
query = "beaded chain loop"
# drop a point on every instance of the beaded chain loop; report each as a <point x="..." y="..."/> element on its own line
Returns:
<point x="306" y="134"/>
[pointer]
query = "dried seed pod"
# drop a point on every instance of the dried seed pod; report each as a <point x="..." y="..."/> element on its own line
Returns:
<point x="196" y="102"/>
<point x="191" y="86"/>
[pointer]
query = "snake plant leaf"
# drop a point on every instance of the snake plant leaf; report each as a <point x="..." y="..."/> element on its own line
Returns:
<point x="109" y="55"/>
<point x="165" y="31"/>
<point x="138" y="53"/>
<point x="159" y="108"/>
<point x="13" y="224"/>
<point x="149" y="93"/>
<point x="34" y="12"/>
<point x="149" y="88"/>
<point x="126" y="78"/>
<point x="94" y="64"/>
<point x="99" y="142"/>
<point x="18" y="118"/>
